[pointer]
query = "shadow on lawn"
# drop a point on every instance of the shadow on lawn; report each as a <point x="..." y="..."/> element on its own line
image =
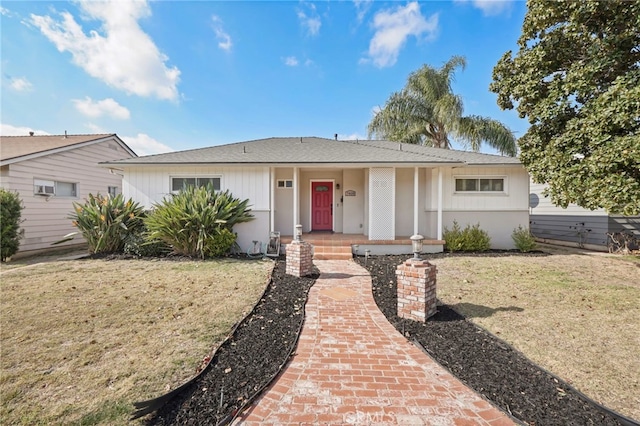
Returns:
<point x="471" y="310"/>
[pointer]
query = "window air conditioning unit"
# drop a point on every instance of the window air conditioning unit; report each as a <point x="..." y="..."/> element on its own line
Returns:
<point x="44" y="190"/>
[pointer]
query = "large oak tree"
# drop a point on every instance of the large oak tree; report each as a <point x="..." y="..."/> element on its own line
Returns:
<point x="576" y="78"/>
<point x="427" y="112"/>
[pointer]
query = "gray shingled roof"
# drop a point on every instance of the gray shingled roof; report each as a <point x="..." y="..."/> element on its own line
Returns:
<point x="313" y="150"/>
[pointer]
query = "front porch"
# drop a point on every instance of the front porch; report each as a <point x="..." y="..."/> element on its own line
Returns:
<point x="339" y="246"/>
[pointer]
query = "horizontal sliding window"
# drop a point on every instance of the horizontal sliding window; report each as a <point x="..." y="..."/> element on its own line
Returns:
<point x="178" y="183"/>
<point x="479" y="184"/>
<point x="51" y="187"/>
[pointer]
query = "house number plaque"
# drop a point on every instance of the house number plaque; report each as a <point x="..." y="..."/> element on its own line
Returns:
<point x="350" y="193"/>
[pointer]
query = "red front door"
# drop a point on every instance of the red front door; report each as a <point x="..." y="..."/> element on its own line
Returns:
<point x="322" y="206"/>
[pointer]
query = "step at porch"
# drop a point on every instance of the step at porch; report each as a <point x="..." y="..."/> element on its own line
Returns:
<point x="332" y="251"/>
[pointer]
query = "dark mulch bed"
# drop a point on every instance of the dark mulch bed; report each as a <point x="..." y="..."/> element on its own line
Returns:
<point x="248" y="360"/>
<point x="485" y="363"/>
<point x="261" y="345"/>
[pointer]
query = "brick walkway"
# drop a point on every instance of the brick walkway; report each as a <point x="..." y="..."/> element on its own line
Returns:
<point x="352" y="367"/>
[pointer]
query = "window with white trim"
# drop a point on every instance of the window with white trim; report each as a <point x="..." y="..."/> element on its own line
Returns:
<point x="285" y="183"/>
<point x="113" y="191"/>
<point x="483" y="184"/>
<point x="51" y="188"/>
<point x="178" y="183"/>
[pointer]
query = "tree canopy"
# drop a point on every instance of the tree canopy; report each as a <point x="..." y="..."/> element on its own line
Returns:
<point x="576" y="78"/>
<point x="427" y="112"/>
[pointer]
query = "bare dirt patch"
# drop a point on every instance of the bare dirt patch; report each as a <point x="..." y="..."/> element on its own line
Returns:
<point x="82" y="340"/>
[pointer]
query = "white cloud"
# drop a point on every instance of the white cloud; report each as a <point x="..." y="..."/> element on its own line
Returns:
<point x="121" y="54"/>
<point x="143" y="144"/>
<point x="291" y="61"/>
<point x="9" y="130"/>
<point x="393" y="27"/>
<point x="224" y="39"/>
<point x="21" y="84"/>
<point x="95" y="129"/>
<point x="310" y="20"/>
<point x="362" y="7"/>
<point x="5" y="12"/>
<point x="490" y="7"/>
<point x="94" y="109"/>
<point x="351" y="137"/>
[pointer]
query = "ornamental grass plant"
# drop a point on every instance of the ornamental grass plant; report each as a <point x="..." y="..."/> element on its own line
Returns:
<point x="107" y="222"/>
<point x="198" y="221"/>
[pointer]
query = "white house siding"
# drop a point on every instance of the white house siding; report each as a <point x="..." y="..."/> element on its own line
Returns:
<point x="353" y="206"/>
<point x="284" y="203"/>
<point x="404" y="208"/>
<point x="46" y="218"/>
<point x="306" y="176"/>
<point x="149" y="185"/>
<point x="498" y="214"/>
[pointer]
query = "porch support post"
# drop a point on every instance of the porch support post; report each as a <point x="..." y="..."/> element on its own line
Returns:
<point x="272" y="199"/>
<point x="439" y="203"/>
<point x="416" y="185"/>
<point x="296" y="200"/>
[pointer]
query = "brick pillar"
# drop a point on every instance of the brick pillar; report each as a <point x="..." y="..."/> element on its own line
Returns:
<point x="416" y="289"/>
<point x="299" y="261"/>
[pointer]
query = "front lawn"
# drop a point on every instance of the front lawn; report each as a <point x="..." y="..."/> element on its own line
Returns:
<point x="82" y="340"/>
<point x="577" y="315"/>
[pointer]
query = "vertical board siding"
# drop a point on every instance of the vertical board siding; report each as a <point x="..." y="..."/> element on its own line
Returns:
<point x="404" y="202"/>
<point x="353" y="205"/>
<point x="149" y="185"/>
<point x="515" y="197"/>
<point x="46" y="219"/>
<point x="284" y="203"/>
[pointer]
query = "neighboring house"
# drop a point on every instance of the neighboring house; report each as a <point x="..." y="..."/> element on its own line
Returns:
<point x="381" y="191"/>
<point x="51" y="172"/>
<point x="575" y="225"/>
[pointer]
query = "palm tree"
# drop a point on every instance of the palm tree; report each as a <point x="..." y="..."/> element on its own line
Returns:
<point x="426" y="112"/>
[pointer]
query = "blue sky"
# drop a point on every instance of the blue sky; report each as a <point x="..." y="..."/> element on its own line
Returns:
<point x="174" y="75"/>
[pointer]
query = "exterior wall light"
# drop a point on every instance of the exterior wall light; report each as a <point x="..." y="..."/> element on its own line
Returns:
<point x="416" y="245"/>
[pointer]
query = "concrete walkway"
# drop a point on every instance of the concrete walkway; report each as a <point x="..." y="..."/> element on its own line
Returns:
<point x="353" y="367"/>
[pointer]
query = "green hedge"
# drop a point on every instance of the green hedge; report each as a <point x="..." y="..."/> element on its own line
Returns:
<point x="10" y="214"/>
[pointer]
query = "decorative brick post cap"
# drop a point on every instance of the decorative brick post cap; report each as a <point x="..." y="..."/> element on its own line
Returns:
<point x="417" y="263"/>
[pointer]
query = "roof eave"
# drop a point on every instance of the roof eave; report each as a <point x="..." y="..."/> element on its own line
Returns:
<point x="289" y="164"/>
<point x="44" y="153"/>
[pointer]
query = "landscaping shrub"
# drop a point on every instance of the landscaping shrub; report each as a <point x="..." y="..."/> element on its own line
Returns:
<point x="107" y="222"/>
<point x="523" y="239"/>
<point x="141" y="245"/>
<point x="454" y="239"/>
<point x="198" y="221"/>
<point x="10" y="213"/>
<point x="476" y="239"/>
<point x="471" y="238"/>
